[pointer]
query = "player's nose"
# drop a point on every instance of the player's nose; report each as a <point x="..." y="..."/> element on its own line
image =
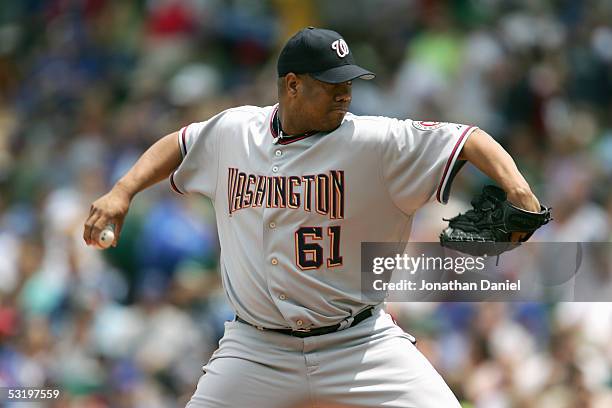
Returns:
<point x="344" y="98"/>
<point x="343" y="92"/>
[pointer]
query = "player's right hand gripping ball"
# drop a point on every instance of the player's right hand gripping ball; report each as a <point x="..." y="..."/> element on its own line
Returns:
<point x="487" y="228"/>
<point x="107" y="236"/>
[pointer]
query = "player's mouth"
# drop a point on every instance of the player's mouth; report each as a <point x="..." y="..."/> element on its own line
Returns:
<point x="340" y="109"/>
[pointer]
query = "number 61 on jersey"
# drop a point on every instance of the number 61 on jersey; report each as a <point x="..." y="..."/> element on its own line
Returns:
<point x="309" y="254"/>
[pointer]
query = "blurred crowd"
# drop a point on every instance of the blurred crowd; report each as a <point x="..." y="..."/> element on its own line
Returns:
<point x="87" y="85"/>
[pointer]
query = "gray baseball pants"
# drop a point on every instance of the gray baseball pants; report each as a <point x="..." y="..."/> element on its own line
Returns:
<point x="373" y="364"/>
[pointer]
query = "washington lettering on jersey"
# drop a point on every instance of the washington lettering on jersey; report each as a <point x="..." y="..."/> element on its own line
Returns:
<point x="322" y="193"/>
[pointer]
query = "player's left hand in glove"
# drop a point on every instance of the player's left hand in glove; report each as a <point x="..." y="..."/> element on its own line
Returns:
<point x="488" y="228"/>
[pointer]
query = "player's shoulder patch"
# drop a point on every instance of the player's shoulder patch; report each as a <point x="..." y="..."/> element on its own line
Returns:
<point x="426" y="125"/>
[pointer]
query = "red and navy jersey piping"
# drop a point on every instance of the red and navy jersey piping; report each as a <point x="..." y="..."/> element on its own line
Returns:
<point x="445" y="183"/>
<point x="183" y="141"/>
<point x="173" y="185"/>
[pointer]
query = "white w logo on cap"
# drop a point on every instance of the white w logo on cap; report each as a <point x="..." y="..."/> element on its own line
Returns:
<point x="341" y="48"/>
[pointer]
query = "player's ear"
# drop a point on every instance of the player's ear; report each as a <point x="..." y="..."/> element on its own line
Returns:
<point x="292" y="84"/>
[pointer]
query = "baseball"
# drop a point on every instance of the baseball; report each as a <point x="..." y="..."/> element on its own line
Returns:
<point x="107" y="236"/>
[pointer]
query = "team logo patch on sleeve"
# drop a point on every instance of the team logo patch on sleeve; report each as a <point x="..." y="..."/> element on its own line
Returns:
<point x="425" y="125"/>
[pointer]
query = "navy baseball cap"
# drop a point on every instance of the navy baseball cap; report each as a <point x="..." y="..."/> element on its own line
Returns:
<point x="321" y="53"/>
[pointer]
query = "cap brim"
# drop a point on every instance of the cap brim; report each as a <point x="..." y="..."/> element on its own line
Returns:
<point x="343" y="73"/>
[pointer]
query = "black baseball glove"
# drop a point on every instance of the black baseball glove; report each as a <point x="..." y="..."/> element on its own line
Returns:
<point x="487" y="228"/>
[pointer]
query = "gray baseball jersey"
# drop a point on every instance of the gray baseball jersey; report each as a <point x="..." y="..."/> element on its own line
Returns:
<point x="292" y="213"/>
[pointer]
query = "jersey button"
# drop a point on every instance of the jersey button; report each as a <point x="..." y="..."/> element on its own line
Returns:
<point x="274" y="261"/>
<point x="278" y="153"/>
<point x="272" y="225"/>
<point x="299" y="322"/>
<point x="275" y="169"/>
<point x="282" y="296"/>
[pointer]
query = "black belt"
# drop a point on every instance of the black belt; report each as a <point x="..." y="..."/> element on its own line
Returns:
<point x="359" y="317"/>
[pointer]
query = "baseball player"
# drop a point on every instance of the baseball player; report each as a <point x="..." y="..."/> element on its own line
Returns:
<point x="296" y="188"/>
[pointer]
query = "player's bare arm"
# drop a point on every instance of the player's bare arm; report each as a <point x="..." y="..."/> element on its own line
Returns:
<point x="489" y="157"/>
<point x="154" y="165"/>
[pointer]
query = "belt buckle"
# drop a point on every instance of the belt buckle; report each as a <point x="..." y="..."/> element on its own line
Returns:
<point x="346" y="323"/>
<point x="302" y="330"/>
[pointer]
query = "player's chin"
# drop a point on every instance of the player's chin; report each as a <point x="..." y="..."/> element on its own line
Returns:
<point x="335" y="118"/>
